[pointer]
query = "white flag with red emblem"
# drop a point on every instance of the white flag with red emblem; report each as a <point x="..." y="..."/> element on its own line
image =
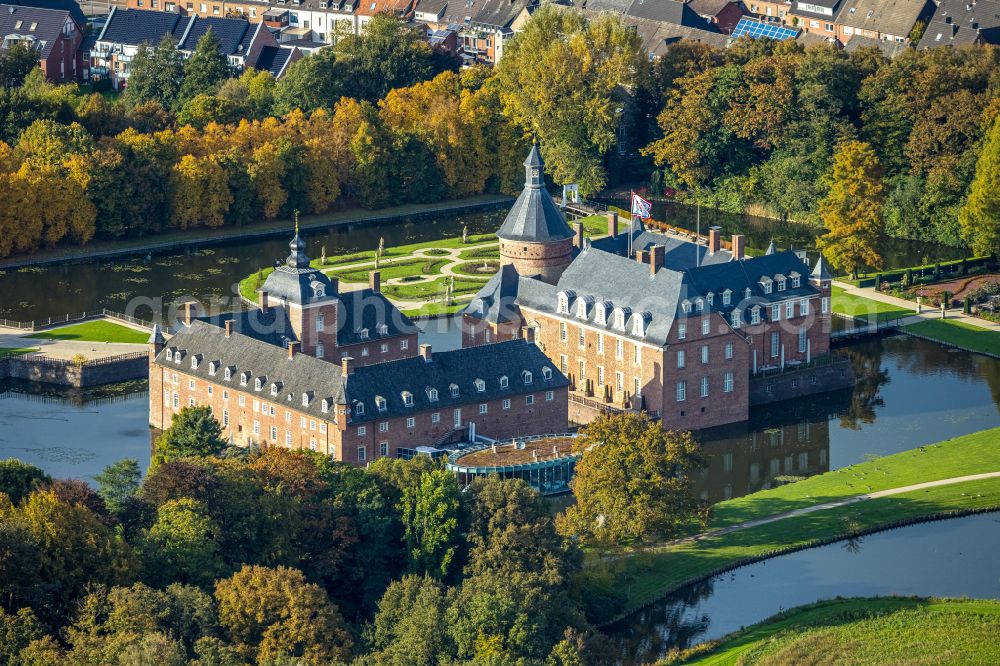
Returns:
<point x="641" y="207"/>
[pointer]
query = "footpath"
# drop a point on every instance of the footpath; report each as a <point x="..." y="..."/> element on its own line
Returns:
<point x="928" y="314"/>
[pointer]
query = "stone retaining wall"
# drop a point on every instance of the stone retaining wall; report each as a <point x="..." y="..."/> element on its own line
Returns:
<point x="800" y="382"/>
<point x="39" y="368"/>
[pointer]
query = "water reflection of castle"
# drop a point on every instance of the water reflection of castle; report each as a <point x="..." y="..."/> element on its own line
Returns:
<point x="750" y="456"/>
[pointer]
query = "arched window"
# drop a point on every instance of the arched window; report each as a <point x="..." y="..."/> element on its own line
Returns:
<point x="305" y="399"/>
<point x="686" y="306"/>
<point x="432" y="394"/>
<point x="228" y="374"/>
<point x="526" y="375"/>
<point x="454" y="390"/>
<point x="563" y="304"/>
<point x="170" y="354"/>
<point x="380" y="403"/>
<point x="359" y="408"/>
<point x="620" y="318"/>
<point x="480" y="385"/>
<point x="546" y="373"/>
<point x="258" y="384"/>
<point x="244" y="378"/>
<point x="727" y="297"/>
<point x="407" y="398"/>
<point x="504" y="383"/>
<point x="325" y="405"/>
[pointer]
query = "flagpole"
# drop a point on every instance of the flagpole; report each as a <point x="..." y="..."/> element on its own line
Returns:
<point x="631" y="220"/>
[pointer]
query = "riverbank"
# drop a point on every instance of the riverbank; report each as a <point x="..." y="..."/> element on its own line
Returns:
<point x="199" y="237"/>
<point x="863" y="630"/>
<point x="960" y="334"/>
<point x="742" y="534"/>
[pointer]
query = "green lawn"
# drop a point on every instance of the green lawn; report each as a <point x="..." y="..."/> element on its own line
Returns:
<point x="950" y="331"/>
<point x="436" y="309"/>
<point x="397" y="269"/>
<point x="491" y="252"/>
<point x="648" y="576"/>
<point x="474" y="267"/>
<point x="95" y="331"/>
<point x="961" y="456"/>
<point x="429" y="290"/>
<point x="865" y="308"/>
<point x="17" y="350"/>
<point x="594" y="226"/>
<point x="880" y="630"/>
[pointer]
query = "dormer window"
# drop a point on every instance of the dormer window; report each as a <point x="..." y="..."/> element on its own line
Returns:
<point x="526" y="375"/>
<point x="195" y="360"/>
<point x="305" y="399"/>
<point x="601" y="313"/>
<point x="178" y="355"/>
<point x="213" y="367"/>
<point x="228" y="374"/>
<point x="258" y="384"/>
<point x="686" y="306"/>
<point x="699" y="305"/>
<point x="780" y="279"/>
<point x="480" y="385"/>
<point x="170" y="354"/>
<point x="765" y="283"/>
<point x="319" y="291"/>
<point x="244" y="378"/>
<point x="747" y="292"/>
<point x="454" y="390"/>
<point x="407" y="398"/>
<point x="325" y="405"/>
<point x="546" y="373"/>
<point x="504" y="383"/>
<point x="359" y="408"/>
<point x="755" y="315"/>
<point x="735" y="319"/>
<point x="581" y="308"/>
<point x="432" y="394"/>
<point x="727" y="297"/>
<point x="796" y="280"/>
<point x="380" y="403"/>
<point x="363" y="333"/>
<point x="563" y="304"/>
<point x="620" y="318"/>
<point x="710" y="297"/>
<point x="274" y="388"/>
<point x="639" y="325"/>
<point x="383" y="329"/>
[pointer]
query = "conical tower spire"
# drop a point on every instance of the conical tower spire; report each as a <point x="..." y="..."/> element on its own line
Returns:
<point x="534" y="177"/>
<point x="771" y="248"/>
<point x="821" y="272"/>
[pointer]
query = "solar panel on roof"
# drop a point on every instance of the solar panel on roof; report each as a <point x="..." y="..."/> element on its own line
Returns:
<point x="757" y="29"/>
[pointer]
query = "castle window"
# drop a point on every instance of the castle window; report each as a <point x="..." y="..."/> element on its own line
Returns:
<point x="620" y="318"/>
<point x="359" y="409"/>
<point x="407" y="398"/>
<point x="710" y="297"/>
<point x="563" y="305"/>
<point x="755" y="315"/>
<point x="244" y="378"/>
<point x="503" y="382"/>
<point x="274" y="388"/>
<point x="258" y="384"/>
<point x="454" y="390"/>
<point x="228" y="374"/>
<point x="601" y="314"/>
<point x="796" y="280"/>
<point x="546" y="373"/>
<point x="727" y="297"/>
<point x="325" y="405"/>
<point x="480" y="385"/>
<point x="170" y="355"/>
<point x="195" y="360"/>
<point x="380" y="403"/>
<point x="432" y="394"/>
<point x="527" y="377"/>
<point x="686" y="306"/>
<point x="735" y="319"/>
<point x="363" y="333"/>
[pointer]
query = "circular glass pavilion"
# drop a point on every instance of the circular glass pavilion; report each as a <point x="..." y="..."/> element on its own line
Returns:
<point x="545" y="462"/>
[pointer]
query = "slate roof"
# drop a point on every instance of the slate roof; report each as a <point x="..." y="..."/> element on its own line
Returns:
<point x="296" y="281"/>
<point x="669" y="11"/>
<point x="496" y="302"/>
<point x="889" y="49"/>
<point x="273" y="59"/>
<point x="679" y="253"/>
<point x="708" y="7"/>
<point x="613" y="6"/>
<point x="48" y="25"/>
<point x="461" y="367"/>
<point x="297" y="375"/>
<point x="890" y="17"/>
<point x="70" y="6"/>
<point x="231" y="33"/>
<point x="137" y="26"/>
<point x="434" y="7"/>
<point x="821" y="271"/>
<point x="271" y="326"/>
<point x="969" y="24"/>
<point x="534" y="217"/>
<point x="657" y="36"/>
<point x="497" y="13"/>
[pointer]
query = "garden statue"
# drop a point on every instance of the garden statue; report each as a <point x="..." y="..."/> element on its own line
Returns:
<point x="381" y="245"/>
<point x="322" y="258"/>
<point x="465" y="234"/>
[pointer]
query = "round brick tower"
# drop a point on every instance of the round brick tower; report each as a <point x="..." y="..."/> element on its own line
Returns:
<point x="535" y="238"/>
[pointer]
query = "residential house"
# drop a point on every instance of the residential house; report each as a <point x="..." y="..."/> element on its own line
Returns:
<point x="55" y="34"/>
<point x="368" y="9"/>
<point x="883" y="20"/>
<point x="127" y="29"/>
<point x="815" y="16"/>
<point x="723" y="14"/>
<point x="958" y="22"/>
<point x="489" y="24"/>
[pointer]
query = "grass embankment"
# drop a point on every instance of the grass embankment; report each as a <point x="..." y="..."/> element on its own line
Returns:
<point x="648" y="575"/>
<point x="865" y="308"/>
<point x="95" y="331"/>
<point x="881" y="630"/>
<point x="958" y="333"/>
<point x="9" y="351"/>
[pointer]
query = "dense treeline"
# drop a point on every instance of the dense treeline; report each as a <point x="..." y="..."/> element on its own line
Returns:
<point x="229" y="557"/>
<point x="383" y="119"/>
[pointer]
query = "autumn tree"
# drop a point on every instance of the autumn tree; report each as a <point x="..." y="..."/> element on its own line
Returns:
<point x="852" y="209"/>
<point x="155" y="74"/>
<point x="182" y="546"/>
<point x="199" y="192"/>
<point x="634" y="482"/>
<point x="119" y="482"/>
<point x="193" y="432"/>
<point x="272" y="614"/>
<point x="980" y="216"/>
<point x="311" y="83"/>
<point x="431" y="514"/>
<point x="559" y="81"/>
<point x="411" y="625"/>
<point x="18" y="479"/>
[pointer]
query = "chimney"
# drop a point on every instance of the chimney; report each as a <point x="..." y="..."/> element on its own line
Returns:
<point x="642" y="256"/>
<point x="425" y="353"/>
<point x="293" y="348"/>
<point x="613" y="224"/>
<point x="714" y="240"/>
<point x="528" y="333"/>
<point x="656" y="259"/>
<point x="346" y="366"/>
<point x="189" y="312"/>
<point x="262" y="301"/>
<point x="739" y="246"/>
<point x="229" y="327"/>
<point x="375" y="281"/>
<point x="578" y="234"/>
